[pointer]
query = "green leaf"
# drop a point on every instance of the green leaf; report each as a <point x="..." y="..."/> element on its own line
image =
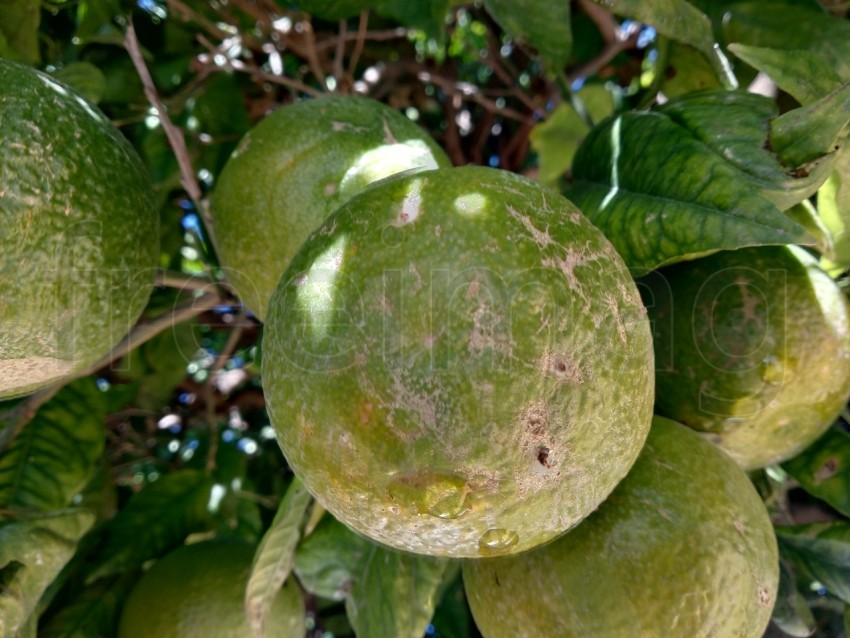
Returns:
<point x="388" y="593"/>
<point x="806" y="134"/>
<point x="678" y="20"/>
<point x="822" y="552"/>
<point x="686" y="70"/>
<point x="32" y="553"/>
<point x="93" y="612"/>
<point x="154" y="521"/>
<point x="19" y="22"/>
<point x="273" y="560"/>
<point x="452" y="618"/>
<point x="556" y="138"/>
<point x="328" y="561"/>
<point x="57" y="453"/>
<point x="823" y="469"/>
<point x="661" y="195"/>
<point x="542" y="24"/>
<point x="395" y="594"/>
<point x="834" y="207"/>
<point x="806" y="76"/>
<point x="159" y="365"/>
<point x="85" y="78"/>
<point x="791" y="612"/>
<point x="430" y="17"/>
<point x="736" y="126"/>
<point x="807" y="216"/>
<point x="792" y="27"/>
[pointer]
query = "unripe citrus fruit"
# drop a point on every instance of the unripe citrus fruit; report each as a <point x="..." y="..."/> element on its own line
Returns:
<point x="457" y="363"/>
<point x="683" y="548"/>
<point x="752" y="348"/>
<point x="293" y="169"/>
<point x="198" y="591"/>
<point x="78" y="228"/>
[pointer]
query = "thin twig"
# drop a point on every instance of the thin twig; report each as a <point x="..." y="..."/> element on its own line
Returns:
<point x="188" y="14"/>
<point x="254" y="71"/>
<point x="399" y="33"/>
<point x="180" y="281"/>
<point x="144" y="331"/>
<point x="471" y="93"/>
<point x="339" y="54"/>
<point x="218" y="364"/>
<point x="360" y="42"/>
<point x="311" y="54"/>
<point x="174" y="135"/>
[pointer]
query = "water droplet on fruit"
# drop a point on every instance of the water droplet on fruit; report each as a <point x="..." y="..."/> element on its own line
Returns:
<point x="440" y="495"/>
<point x="772" y="370"/>
<point x="496" y="541"/>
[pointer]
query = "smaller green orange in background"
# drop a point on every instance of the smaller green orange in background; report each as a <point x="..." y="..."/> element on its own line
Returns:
<point x="752" y="348"/>
<point x="198" y="591"/>
<point x="296" y="167"/>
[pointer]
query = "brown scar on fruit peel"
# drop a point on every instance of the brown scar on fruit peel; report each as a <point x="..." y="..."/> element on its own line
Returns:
<point x="614" y="307"/>
<point x="561" y="367"/>
<point x="541" y="237"/>
<point x="763" y="594"/>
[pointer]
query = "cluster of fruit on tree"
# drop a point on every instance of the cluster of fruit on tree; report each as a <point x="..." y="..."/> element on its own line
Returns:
<point x="456" y="361"/>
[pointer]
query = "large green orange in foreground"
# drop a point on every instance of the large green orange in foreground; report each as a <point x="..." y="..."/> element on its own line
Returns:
<point x="752" y="348"/>
<point x="198" y="591"/>
<point x="78" y="228"/>
<point x="683" y="548"/>
<point x="457" y="363"/>
<point x="296" y="167"/>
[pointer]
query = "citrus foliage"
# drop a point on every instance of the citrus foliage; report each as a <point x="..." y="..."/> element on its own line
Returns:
<point x="637" y="111"/>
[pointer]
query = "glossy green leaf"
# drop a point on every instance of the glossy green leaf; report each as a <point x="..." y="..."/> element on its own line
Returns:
<point x="19" y="22"/>
<point x="678" y="20"/>
<point x="806" y="134"/>
<point x="790" y="26"/>
<point x="736" y="126"/>
<point x="820" y="551"/>
<point x="542" y="24"/>
<point x="92" y="612"/>
<point x="823" y="469"/>
<point x="32" y="553"/>
<point x="804" y="75"/>
<point x="395" y="594"/>
<point x="274" y="557"/>
<point x="56" y="454"/>
<point x="85" y="78"/>
<point x="662" y="195"/>
<point x="557" y="138"/>
<point x="154" y="521"/>
<point x="328" y="561"/>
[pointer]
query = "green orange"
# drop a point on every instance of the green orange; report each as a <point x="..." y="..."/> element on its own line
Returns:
<point x="752" y="348"/>
<point x="78" y="227"/>
<point x="458" y="363"/>
<point x="198" y="591"/>
<point x="293" y="169"/>
<point x="683" y="548"/>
